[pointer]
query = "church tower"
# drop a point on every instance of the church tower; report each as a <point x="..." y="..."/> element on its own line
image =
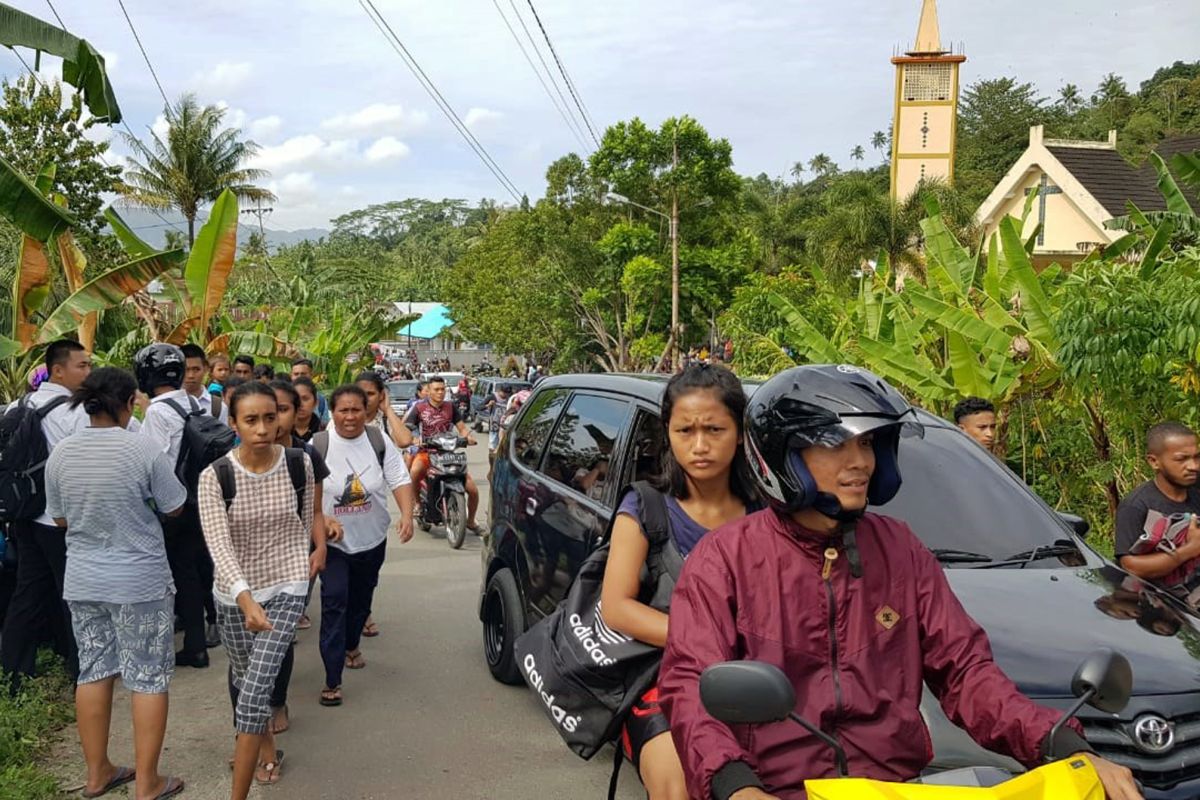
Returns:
<point x="926" y="111"/>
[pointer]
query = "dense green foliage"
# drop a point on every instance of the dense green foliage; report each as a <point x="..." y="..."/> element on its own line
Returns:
<point x="28" y="721"/>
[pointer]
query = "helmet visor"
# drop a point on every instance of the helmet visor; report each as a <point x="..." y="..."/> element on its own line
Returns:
<point x="834" y="433"/>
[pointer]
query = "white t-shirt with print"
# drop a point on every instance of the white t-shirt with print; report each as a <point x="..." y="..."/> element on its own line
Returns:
<point x="357" y="490"/>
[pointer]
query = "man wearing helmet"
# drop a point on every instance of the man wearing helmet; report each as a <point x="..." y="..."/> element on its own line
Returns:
<point x="849" y="604"/>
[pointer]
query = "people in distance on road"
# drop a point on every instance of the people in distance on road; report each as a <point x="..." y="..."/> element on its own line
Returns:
<point x="379" y="410"/>
<point x="494" y="407"/>
<point x="436" y="415"/>
<point x="219" y="371"/>
<point x="977" y="418"/>
<point x="243" y="367"/>
<point x="264" y="373"/>
<point x="160" y="369"/>
<point x="308" y="421"/>
<point x="823" y="443"/>
<point x="37" y="598"/>
<point x="303" y="368"/>
<point x="1170" y="503"/>
<point x="706" y="484"/>
<point x="104" y="485"/>
<point x="366" y="467"/>
<point x="258" y="525"/>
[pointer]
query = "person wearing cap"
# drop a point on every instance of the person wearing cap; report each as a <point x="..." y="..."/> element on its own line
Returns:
<point x="849" y="604"/>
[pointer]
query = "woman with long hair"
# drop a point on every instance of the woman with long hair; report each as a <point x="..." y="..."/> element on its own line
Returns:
<point x="107" y="486"/>
<point x="379" y="408"/>
<point x="308" y="421"/>
<point x="706" y="483"/>
<point x="258" y="526"/>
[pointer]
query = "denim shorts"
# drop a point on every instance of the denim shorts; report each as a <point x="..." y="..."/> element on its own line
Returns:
<point x="133" y="640"/>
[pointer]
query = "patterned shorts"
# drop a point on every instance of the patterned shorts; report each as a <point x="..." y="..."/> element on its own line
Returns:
<point x="133" y="640"/>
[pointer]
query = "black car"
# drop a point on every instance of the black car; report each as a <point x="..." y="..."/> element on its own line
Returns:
<point x="1044" y="611"/>
<point x="399" y="393"/>
<point x="483" y="390"/>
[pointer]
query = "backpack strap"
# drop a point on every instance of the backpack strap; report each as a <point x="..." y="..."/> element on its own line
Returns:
<point x="224" y="472"/>
<point x="320" y="443"/>
<point x="652" y="507"/>
<point x="178" y="408"/>
<point x="295" y="468"/>
<point x="377" y="443"/>
<point x="44" y="410"/>
<point x="215" y="404"/>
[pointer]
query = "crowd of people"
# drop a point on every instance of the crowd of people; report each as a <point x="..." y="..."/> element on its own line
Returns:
<point x="204" y="496"/>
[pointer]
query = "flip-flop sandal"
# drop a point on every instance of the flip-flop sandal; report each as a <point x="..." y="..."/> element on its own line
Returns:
<point x="355" y="661"/>
<point x="331" y="697"/>
<point x="273" y="769"/>
<point x="304" y="624"/>
<point x="174" y="786"/>
<point x="121" y="776"/>
<point x="287" y="719"/>
<point x="370" y="630"/>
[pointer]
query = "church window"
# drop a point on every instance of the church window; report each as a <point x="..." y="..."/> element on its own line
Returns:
<point x="926" y="82"/>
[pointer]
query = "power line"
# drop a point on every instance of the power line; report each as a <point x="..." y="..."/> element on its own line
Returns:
<point x="437" y="97"/>
<point x="61" y="24"/>
<point x="566" y="78"/>
<point x="138" y="39"/>
<point x="571" y="124"/>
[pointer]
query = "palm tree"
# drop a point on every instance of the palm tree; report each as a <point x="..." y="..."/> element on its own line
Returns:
<point x="822" y="164"/>
<point x="857" y="153"/>
<point x="1070" y="98"/>
<point x="879" y="141"/>
<point x="797" y="170"/>
<point x="196" y="162"/>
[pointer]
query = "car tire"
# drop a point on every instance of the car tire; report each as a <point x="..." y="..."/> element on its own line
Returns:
<point x="503" y="622"/>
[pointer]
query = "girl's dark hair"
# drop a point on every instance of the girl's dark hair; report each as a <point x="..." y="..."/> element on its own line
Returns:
<point x="105" y="391"/>
<point x="307" y="383"/>
<point x="232" y="382"/>
<point x="371" y="376"/>
<point x="344" y="390"/>
<point x="264" y="371"/>
<point x="728" y="389"/>
<point x="287" y="387"/>
<point x="248" y="389"/>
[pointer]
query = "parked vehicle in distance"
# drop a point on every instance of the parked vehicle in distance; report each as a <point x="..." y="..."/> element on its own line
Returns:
<point x="451" y="379"/>
<point x="399" y="393"/>
<point x="1023" y="571"/>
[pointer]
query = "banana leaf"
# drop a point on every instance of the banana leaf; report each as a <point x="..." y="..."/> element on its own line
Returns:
<point x="1187" y="167"/>
<point x="9" y="347"/>
<point x="945" y="252"/>
<point x="31" y="287"/>
<point x="211" y="259"/>
<point x="1176" y="200"/>
<point x="1162" y="238"/>
<point x="103" y="292"/>
<point x="804" y="333"/>
<point x="179" y="334"/>
<point x="1116" y="249"/>
<point x="130" y="241"/>
<point x="252" y="343"/>
<point x="991" y="276"/>
<point x="969" y="379"/>
<point x="74" y="263"/>
<point x="44" y="182"/>
<point x="902" y="366"/>
<point x="22" y="204"/>
<point x="963" y="321"/>
<point x="83" y="66"/>
<point x="1035" y="306"/>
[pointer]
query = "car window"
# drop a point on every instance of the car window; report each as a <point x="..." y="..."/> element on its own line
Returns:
<point x="956" y="496"/>
<point x="581" y="451"/>
<point x="645" y="447"/>
<point x="533" y="431"/>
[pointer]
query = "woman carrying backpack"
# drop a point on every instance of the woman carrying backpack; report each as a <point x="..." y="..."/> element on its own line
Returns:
<point x="366" y="469"/>
<point x="258" y="528"/>
<point x="104" y="484"/>
<point x="707" y="483"/>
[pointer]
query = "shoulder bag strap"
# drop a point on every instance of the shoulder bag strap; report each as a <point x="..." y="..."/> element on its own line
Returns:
<point x="224" y="471"/>
<point x="320" y="443"/>
<point x="295" y="466"/>
<point x="377" y="443"/>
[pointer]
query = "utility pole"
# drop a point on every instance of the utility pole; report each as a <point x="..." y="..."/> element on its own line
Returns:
<point x="675" y="250"/>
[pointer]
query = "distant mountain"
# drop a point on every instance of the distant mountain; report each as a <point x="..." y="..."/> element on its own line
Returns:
<point x="152" y="228"/>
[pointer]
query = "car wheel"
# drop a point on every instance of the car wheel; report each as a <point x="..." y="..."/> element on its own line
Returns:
<point x="503" y="622"/>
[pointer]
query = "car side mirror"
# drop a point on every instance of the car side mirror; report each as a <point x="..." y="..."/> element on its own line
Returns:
<point x="747" y="692"/>
<point x="1077" y="523"/>
<point x="1105" y="679"/>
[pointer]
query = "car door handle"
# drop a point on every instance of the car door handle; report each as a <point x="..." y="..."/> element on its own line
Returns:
<point x="531" y="507"/>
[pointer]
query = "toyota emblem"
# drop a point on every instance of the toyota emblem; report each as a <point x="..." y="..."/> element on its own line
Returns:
<point x="1153" y="734"/>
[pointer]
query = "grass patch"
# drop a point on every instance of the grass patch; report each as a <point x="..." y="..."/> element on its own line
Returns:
<point x="28" y="722"/>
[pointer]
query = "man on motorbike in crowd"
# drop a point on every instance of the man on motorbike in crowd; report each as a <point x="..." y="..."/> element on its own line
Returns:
<point x="432" y="416"/>
<point x="850" y="605"/>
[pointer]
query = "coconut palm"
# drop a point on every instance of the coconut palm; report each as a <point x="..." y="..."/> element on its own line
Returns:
<point x="1070" y="98"/>
<point x="822" y="164"/>
<point x="797" y="170"/>
<point x="879" y="141"/>
<point x="192" y="164"/>
<point x="857" y="153"/>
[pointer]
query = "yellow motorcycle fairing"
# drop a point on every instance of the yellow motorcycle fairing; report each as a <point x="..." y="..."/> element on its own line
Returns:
<point x="1070" y="779"/>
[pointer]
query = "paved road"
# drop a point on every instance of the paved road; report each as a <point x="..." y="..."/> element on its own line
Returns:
<point x="423" y="720"/>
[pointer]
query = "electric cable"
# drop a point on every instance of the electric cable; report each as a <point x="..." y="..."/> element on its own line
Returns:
<point x="566" y="78"/>
<point x="138" y="39"/>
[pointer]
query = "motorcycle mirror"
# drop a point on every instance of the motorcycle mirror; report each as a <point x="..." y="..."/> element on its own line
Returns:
<point x="1105" y="679"/>
<point x="746" y="692"/>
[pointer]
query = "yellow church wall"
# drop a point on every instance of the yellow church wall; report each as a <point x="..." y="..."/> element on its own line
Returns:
<point x="940" y="121"/>
<point x="908" y="172"/>
<point x="1066" y="226"/>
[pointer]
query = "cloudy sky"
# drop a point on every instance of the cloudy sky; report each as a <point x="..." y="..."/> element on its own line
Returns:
<point x="342" y="123"/>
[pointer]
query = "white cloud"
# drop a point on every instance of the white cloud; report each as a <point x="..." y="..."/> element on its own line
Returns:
<point x="225" y="77"/>
<point x="111" y="60"/>
<point x="308" y="152"/>
<point x="234" y="117"/>
<point x="377" y="119"/>
<point x="477" y="116"/>
<point x="265" y="128"/>
<point x="387" y="148"/>
<point x="160" y="127"/>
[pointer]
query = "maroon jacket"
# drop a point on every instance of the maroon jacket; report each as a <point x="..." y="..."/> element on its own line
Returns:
<point x="753" y="590"/>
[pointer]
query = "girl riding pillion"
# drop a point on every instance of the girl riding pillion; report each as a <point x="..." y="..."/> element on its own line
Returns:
<point x="707" y="484"/>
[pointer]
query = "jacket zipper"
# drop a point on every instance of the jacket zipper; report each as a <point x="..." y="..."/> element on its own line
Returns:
<point x="831" y="555"/>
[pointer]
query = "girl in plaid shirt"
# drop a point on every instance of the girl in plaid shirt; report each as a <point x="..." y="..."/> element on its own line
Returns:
<point x="260" y="548"/>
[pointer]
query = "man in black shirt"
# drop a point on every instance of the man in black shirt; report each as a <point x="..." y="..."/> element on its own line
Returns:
<point x="1172" y="452"/>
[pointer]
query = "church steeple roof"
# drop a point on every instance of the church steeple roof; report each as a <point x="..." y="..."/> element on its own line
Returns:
<point x="929" y="38"/>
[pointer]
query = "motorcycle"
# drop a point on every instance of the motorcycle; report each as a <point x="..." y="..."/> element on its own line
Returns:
<point x="443" y="492"/>
<point x="755" y="693"/>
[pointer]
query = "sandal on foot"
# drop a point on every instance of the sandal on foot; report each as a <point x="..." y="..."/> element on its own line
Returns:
<point x="355" y="660"/>
<point x="370" y="630"/>
<point x="287" y="720"/>
<point x="121" y="776"/>
<point x="304" y="624"/>
<point x="173" y="787"/>
<point x="331" y="697"/>
<point x="271" y="768"/>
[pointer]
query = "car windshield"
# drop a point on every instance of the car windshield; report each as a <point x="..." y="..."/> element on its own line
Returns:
<point x="965" y="506"/>
<point x="401" y="390"/>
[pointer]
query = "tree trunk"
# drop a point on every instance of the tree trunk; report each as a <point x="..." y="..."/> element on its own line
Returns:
<point x="191" y="231"/>
<point x="1103" y="446"/>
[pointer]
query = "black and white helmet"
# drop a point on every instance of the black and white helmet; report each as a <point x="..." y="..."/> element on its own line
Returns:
<point x="823" y="405"/>
<point x="159" y="364"/>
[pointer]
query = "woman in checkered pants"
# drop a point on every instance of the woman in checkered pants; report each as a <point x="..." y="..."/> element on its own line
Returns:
<point x="258" y="525"/>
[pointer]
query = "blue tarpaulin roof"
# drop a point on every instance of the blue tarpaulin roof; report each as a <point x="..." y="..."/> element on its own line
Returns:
<point x="430" y="325"/>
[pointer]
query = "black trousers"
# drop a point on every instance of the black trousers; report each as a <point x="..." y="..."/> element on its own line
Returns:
<point x="192" y="570"/>
<point x="37" y="602"/>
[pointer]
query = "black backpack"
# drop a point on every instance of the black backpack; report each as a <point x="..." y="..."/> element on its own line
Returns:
<point x="23" y="455"/>
<point x="320" y="443"/>
<point x="586" y="675"/>
<point x="295" y="467"/>
<point x="205" y="439"/>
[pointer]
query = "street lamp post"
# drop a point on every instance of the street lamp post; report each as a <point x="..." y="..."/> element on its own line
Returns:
<point x="673" y="226"/>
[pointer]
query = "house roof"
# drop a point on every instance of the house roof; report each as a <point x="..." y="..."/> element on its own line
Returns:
<point x="1109" y="178"/>
<point x="430" y="325"/>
